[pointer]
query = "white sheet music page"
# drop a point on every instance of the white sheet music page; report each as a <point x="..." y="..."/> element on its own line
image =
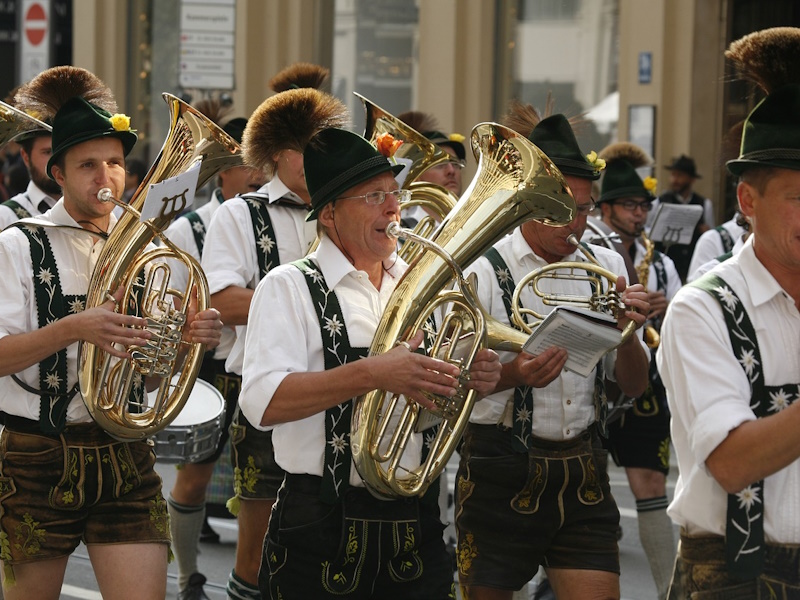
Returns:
<point x="675" y="223"/>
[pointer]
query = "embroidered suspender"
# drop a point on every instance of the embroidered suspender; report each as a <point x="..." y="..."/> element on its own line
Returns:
<point x="725" y="236"/>
<point x="337" y="350"/>
<point x="523" y="395"/>
<point x="51" y="305"/>
<point x="744" y="533"/>
<point x="198" y="230"/>
<point x="17" y="208"/>
<point x="263" y="233"/>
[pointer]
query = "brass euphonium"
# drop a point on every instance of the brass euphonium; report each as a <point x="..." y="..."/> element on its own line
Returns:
<point x="129" y="260"/>
<point x="604" y="297"/>
<point x="14" y="122"/>
<point x="420" y="154"/>
<point x="514" y="182"/>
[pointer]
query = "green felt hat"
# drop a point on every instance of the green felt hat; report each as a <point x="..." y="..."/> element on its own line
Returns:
<point x="771" y="136"/>
<point x="336" y="160"/>
<point x="235" y="128"/>
<point x="555" y="138"/>
<point x="440" y="139"/>
<point x="621" y="180"/>
<point x="78" y="121"/>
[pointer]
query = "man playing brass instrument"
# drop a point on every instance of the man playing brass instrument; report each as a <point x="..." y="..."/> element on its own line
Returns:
<point x="639" y="439"/>
<point x="64" y="479"/>
<point x="532" y="486"/>
<point x="328" y="535"/>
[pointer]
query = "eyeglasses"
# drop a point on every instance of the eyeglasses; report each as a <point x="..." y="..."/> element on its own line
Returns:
<point x="632" y="205"/>
<point x="456" y="164"/>
<point x="585" y="209"/>
<point x="380" y="197"/>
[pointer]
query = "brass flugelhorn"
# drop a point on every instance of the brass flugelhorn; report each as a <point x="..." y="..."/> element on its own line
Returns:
<point x="112" y="388"/>
<point x="515" y="182"/>
<point x="420" y="154"/>
<point x="604" y="297"/>
<point x="14" y="122"/>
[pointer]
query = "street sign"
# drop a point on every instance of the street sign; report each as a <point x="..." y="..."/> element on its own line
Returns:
<point x="207" y="44"/>
<point x="35" y="39"/>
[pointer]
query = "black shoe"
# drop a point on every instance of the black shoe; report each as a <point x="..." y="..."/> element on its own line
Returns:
<point x="194" y="589"/>
<point x="207" y="534"/>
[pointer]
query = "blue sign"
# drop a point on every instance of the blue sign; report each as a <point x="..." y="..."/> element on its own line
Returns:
<point x="645" y="67"/>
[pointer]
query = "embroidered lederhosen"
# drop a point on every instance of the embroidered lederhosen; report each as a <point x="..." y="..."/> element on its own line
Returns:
<point x="343" y="576"/>
<point x="18" y="209"/>
<point x="744" y="533"/>
<point x="523" y="395"/>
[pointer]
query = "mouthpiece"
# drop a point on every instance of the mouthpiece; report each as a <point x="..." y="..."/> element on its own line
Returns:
<point x="105" y="195"/>
<point x="393" y="230"/>
<point x="571" y="239"/>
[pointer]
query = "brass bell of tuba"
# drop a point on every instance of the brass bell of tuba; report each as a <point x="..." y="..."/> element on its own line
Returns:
<point x="419" y="154"/>
<point x="14" y="122"/>
<point x="604" y="297"/>
<point x="514" y="182"/>
<point x="129" y="260"/>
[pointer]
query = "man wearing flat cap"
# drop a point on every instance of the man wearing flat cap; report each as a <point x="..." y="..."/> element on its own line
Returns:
<point x="729" y="361"/>
<point x="682" y="175"/>
<point x="329" y="536"/>
<point x="524" y="496"/>
<point x="64" y="480"/>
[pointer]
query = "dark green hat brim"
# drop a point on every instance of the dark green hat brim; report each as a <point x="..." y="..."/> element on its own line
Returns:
<point x="771" y="134"/>
<point x="621" y="181"/>
<point x="554" y="136"/>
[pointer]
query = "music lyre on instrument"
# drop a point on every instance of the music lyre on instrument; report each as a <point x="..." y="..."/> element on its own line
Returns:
<point x="128" y="260"/>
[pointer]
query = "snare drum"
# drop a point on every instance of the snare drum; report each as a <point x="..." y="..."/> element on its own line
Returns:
<point x="195" y="432"/>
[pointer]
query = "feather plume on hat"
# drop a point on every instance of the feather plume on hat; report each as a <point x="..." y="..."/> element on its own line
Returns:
<point x="521" y="117"/>
<point x="287" y="121"/>
<point x="299" y="75"/>
<point x="46" y="93"/>
<point x="768" y="57"/>
<point x="626" y="151"/>
<point x="214" y="108"/>
<point x="419" y="121"/>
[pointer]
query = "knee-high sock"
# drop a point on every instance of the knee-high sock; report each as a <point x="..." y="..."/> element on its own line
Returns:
<point x="185" y="524"/>
<point x="658" y="540"/>
<point x="239" y="589"/>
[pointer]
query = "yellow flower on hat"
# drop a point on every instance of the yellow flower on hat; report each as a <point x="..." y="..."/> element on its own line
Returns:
<point x="456" y="137"/>
<point x="120" y="122"/>
<point x="650" y="184"/>
<point x="597" y="163"/>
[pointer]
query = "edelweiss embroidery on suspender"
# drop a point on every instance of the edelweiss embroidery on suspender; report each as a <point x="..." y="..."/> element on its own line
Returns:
<point x="18" y="209"/>
<point x="51" y="305"/>
<point x="198" y="230"/>
<point x="744" y="534"/>
<point x="263" y="232"/>
<point x="337" y="350"/>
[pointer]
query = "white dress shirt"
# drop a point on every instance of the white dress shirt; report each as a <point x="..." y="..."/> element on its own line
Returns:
<point x="709" y="393"/>
<point x="709" y="246"/>
<point x="285" y="337"/>
<point x="230" y="257"/>
<point x="76" y="254"/>
<point x="673" y="283"/>
<point x="29" y="200"/>
<point x="565" y="408"/>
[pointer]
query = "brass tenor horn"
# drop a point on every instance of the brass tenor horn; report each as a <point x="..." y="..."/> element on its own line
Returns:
<point x="604" y="297"/>
<point x="420" y="154"/>
<point x="515" y="182"/>
<point x="109" y="385"/>
<point x="14" y="122"/>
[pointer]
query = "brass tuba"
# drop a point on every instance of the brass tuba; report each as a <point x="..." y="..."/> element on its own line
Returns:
<point x="129" y="260"/>
<point x="514" y="182"/>
<point x="14" y="122"/>
<point x="420" y="154"/>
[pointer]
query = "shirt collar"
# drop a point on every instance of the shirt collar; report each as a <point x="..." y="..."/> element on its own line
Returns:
<point x="761" y="285"/>
<point x="335" y="266"/>
<point x="36" y="195"/>
<point x="58" y="215"/>
<point x="276" y="189"/>
<point x="522" y="249"/>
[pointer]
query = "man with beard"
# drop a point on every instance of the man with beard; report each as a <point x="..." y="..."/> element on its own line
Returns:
<point x="682" y="175"/>
<point x="639" y="439"/>
<point x="35" y="149"/>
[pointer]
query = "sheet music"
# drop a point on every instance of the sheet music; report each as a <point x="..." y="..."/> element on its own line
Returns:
<point x="675" y="223"/>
